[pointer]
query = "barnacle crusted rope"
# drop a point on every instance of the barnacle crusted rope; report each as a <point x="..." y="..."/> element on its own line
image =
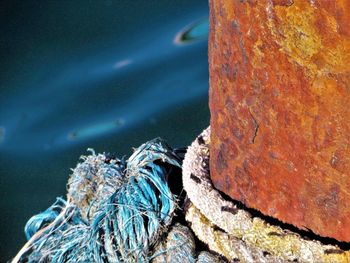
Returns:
<point x="180" y="246"/>
<point x="234" y="232"/>
<point x="115" y="211"/>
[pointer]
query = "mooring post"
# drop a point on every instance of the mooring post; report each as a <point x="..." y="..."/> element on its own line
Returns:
<point x="280" y="109"/>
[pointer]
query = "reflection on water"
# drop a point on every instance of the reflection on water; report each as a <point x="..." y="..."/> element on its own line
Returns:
<point x="95" y="76"/>
<point x="83" y="100"/>
<point x="122" y="63"/>
<point x="95" y="130"/>
<point x="194" y="32"/>
<point x="2" y="134"/>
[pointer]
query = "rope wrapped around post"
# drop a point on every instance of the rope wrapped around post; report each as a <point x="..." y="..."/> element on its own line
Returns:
<point x="232" y="231"/>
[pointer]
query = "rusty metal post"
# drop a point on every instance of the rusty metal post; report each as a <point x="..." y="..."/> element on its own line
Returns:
<point x="280" y="109"/>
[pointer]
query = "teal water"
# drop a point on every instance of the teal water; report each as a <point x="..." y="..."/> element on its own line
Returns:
<point x="81" y="74"/>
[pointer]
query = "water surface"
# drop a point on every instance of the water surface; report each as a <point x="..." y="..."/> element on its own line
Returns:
<point x="108" y="75"/>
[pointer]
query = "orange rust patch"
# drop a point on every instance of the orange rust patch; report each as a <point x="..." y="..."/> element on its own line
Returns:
<point x="280" y="107"/>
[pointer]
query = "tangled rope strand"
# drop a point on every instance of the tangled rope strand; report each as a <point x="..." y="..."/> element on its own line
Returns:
<point x="118" y="210"/>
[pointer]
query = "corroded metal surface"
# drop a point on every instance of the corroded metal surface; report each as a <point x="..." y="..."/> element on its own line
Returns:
<point x="233" y="231"/>
<point x="280" y="105"/>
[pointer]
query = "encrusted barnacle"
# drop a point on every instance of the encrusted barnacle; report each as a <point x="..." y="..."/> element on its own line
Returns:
<point x="207" y="257"/>
<point x="333" y="251"/>
<point x="232" y="210"/>
<point x="178" y="246"/>
<point x="94" y="180"/>
<point x="211" y="209"/>
<point x="195" y="178"/>
<point x="116" y="210"/>
<point x="200" y="140"/>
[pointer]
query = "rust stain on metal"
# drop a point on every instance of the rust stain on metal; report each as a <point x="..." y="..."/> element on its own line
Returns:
<point x="280" y="106"/>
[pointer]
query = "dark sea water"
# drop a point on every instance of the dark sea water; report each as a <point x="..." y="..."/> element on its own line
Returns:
<point x="108" y="75"/>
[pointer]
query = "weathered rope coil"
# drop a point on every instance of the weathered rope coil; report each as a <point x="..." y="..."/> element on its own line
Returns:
<point x="116" y="210"/>
<point x="121" y="210"/>
<point x="234" y="232"/>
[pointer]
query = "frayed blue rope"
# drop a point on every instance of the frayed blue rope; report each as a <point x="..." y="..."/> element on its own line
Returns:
<point x="43" y="219"/>
<point x="116" y="210"/>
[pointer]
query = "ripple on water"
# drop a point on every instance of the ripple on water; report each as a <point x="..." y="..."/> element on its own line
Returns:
<point x="193" y="32"/>
<point x="2" y="134"/>
<point x="96" y="129"/>
<point x="122" y="63"/>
